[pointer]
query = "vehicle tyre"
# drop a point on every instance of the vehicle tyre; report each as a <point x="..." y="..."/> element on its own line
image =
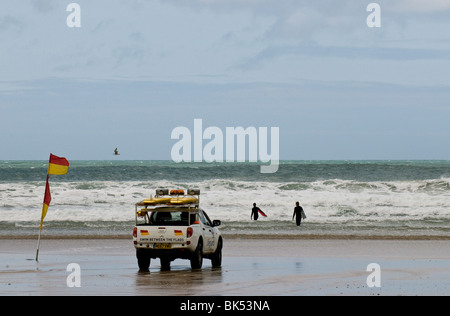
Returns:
<point x="165" y="264"/>
<point x="216" y="259"/>
<point x="197" y="256"/>
<point x="143" y="258"/>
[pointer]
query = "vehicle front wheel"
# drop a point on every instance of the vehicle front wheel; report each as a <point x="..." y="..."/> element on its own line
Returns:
<point x="143" y="258"/>
<point x="197" y="256"/>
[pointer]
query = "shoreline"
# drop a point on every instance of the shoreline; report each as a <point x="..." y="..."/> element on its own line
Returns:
<point x="240" y="236"/>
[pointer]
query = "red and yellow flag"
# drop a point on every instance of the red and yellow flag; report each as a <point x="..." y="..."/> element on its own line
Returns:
<point x="56" y="166"/>
<point x="47" y="200"/>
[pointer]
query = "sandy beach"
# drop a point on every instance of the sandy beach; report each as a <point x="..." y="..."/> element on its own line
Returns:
<point x="251" y="267"/>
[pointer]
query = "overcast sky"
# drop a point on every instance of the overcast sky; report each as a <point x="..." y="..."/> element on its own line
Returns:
<point x="137" y="69"/>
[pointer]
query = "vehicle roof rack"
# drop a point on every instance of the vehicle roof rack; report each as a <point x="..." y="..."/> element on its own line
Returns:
<point x="164" y="197"/>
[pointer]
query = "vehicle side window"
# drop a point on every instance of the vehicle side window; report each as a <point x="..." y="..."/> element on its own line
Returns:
<point x="204" y="218"/>
<point x="207" y="217"/>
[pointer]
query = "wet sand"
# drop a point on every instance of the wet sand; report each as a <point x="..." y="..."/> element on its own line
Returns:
<point x="251" y="267"/>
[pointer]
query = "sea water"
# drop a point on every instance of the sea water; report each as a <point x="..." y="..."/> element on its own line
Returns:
<point x="362" y="198"/>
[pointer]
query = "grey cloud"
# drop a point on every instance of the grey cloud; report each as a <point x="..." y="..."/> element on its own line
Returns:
<point x="10" y="23"/>
<point x="346" y="52"/>
<point x="293" y="18"/>
<point x="290" y="18"/>
<point x="44" y="5"/>
<point x="420" y="6"/>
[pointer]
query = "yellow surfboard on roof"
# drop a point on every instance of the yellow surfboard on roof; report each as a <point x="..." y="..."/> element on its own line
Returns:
<point x="157" y="200"/>
<point x="183" y="200"/>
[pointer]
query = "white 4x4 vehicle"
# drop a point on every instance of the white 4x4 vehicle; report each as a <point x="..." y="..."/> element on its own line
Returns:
<point x="173" y="226"/>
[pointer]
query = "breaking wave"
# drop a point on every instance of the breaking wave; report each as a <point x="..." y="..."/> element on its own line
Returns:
<point x="359" y="205"/>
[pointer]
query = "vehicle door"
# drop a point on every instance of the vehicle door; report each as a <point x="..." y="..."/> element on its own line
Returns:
<point x="208" y="232"/>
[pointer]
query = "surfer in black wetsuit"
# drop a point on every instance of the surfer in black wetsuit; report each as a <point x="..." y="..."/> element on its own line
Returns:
<point x="254" y="214"/>
<point x="298" y="214"/>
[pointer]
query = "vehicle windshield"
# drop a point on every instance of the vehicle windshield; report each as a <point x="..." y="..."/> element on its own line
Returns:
<point x="173" y="218"/>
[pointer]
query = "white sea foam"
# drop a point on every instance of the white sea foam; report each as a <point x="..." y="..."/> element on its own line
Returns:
<point x="339" y="201"/>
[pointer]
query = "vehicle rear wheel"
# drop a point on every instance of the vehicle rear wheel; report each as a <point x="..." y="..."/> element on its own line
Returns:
<point x="143" y="258"/>
<point x="216" y="259"/>
<point x="197" y="256"/>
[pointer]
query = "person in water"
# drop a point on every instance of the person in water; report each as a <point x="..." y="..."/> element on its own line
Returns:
<point x="299" y="214"/>
<point x="254" y="214"/>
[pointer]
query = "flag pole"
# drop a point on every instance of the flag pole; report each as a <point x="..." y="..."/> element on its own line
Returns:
<point x="57" y="166"/>
<point x="43" y="214"/>
<point x="39" y="243"/>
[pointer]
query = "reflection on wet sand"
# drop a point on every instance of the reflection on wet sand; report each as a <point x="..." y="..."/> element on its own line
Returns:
<point x="179" y="280"/>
